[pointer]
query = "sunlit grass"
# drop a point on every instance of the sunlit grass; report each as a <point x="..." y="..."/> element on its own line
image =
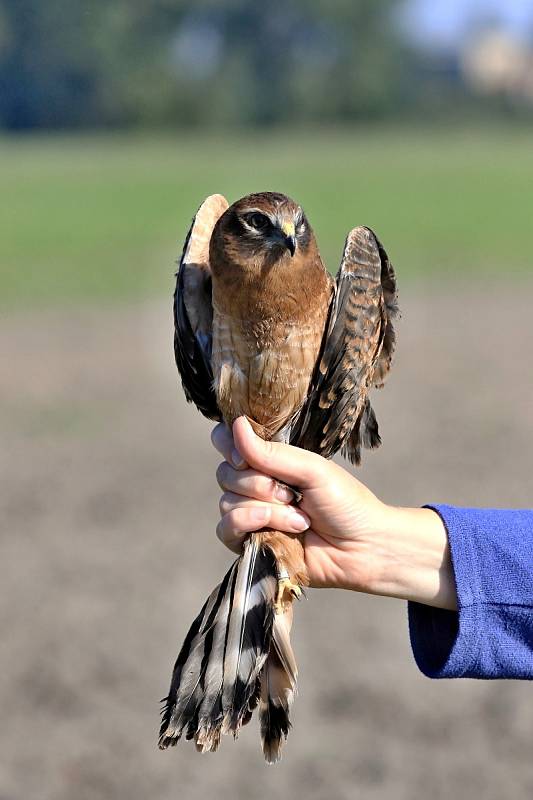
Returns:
<point x="104" y="217"/>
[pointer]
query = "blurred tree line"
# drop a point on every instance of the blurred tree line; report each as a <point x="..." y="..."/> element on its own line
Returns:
<point x="110" y="63"/>
<point x="78" y="63"/>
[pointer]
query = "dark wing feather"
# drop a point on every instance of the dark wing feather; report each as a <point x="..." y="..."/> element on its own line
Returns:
<point x="193" y="312"/>
<point x="390" y="296"/>
<point x="337" y="413"/>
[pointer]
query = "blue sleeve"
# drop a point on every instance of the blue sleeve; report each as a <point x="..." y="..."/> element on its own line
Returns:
<point x="491" y="634"/>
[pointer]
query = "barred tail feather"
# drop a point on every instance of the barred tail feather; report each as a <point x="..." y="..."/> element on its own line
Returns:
<point x="278" y="687"/>
<point x="249" y="631"/>
<point x="181" y="704"/>
<point x="215" y="683"/>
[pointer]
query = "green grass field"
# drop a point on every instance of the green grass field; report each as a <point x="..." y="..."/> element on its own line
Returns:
<point x="103" y="217"/>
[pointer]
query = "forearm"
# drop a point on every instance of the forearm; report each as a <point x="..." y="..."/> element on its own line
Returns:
<point x="491" y="636"/>
<point x="412" y="558"/>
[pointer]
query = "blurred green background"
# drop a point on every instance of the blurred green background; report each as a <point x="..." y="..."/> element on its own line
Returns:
<point x="88" y="218"/>
<point x="117" y="118"/>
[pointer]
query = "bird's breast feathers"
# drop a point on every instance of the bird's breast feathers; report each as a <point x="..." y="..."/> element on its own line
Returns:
<point x="263" y="367"/>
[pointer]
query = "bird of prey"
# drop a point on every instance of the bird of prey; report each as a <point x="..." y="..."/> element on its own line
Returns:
<point x="263" y="330"/>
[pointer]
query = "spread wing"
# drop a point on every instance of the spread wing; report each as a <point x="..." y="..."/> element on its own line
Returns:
<point x="193" y="311"/>
<point x="356" y="353"/>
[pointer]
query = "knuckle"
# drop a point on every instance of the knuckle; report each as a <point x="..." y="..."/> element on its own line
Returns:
<point x="219" y="437"/>
<point x="221" y="474"/>
<point x="223" y="503"/>
<point x="232" y="521"/>
<point x="214" y="435"/>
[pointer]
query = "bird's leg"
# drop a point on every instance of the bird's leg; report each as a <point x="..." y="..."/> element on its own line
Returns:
<point x="287" y="590"/>
<point x="290" y="565"/>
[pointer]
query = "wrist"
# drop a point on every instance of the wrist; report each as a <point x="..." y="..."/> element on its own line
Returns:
<point x="412" y="558"/>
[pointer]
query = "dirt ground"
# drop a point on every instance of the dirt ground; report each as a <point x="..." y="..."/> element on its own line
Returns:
<point x="109" y="504"/>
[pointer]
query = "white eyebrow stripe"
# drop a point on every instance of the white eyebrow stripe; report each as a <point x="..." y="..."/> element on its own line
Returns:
<point x="273" y="220"/>
<point x="257" y="211"/>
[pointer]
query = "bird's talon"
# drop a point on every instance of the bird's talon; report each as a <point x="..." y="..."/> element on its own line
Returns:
<point x="287" y="591"/>
<point x="296" y="592"/>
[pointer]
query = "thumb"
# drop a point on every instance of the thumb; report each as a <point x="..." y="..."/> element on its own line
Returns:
<point x="290" y="464"/>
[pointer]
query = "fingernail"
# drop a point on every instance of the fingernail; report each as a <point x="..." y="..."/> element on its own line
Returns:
<point x="237" y="460"/>
<point x="297" y="519"/>
<point x="283" y="493"/>
<point x="259" y="515"/>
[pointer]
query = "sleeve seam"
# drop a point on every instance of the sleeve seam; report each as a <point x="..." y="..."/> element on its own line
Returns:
<point x="491" y="604"/>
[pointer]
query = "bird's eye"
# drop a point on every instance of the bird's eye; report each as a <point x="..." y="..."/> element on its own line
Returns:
<point x="258" y="221"/>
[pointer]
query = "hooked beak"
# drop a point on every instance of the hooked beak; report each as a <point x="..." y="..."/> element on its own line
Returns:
<point x="290" y="244"/>
<point x="289" y="235"/>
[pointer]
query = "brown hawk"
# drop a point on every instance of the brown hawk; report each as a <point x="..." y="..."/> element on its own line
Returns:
<point x="262" y="329"/>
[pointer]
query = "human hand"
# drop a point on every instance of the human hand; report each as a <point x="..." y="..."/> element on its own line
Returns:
<point x="352" y="540"/>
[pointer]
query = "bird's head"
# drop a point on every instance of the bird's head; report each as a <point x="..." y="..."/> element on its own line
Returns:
<point x="263" y="229"/>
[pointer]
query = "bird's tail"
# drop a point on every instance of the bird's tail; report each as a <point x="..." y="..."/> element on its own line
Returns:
<point x="278" y="687"/>
<point x="216" y="682"/>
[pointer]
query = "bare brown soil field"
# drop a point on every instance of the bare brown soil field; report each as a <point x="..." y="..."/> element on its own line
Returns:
<point x="109" y="504"/>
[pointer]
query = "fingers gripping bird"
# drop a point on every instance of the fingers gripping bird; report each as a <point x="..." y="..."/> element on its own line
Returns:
<point x="263" y="330"/>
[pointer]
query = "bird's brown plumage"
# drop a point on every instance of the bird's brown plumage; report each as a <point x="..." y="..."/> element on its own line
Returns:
<point x="262" y="329"/>
<point x="269" y="313"/>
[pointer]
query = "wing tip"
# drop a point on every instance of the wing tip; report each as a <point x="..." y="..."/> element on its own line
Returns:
<point x="216" y="203"/>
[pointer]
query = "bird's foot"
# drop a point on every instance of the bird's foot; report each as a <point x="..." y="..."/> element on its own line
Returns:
<point x="287" y="592"/>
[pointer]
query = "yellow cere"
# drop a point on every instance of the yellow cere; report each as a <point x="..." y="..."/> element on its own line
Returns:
<point x="288" y="228"/>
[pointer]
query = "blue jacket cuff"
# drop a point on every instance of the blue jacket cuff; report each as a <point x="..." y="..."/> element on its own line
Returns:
<point x="445" y="643"/>
<point x="491" y="633"/>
